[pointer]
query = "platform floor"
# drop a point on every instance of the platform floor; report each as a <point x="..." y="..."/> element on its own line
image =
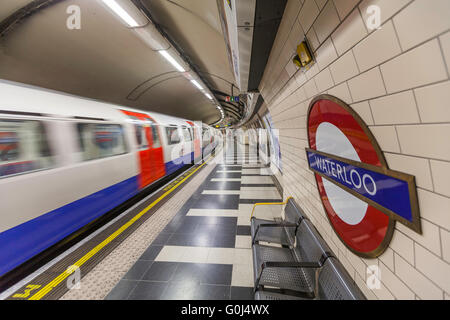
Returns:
<point x="196" y="246"/>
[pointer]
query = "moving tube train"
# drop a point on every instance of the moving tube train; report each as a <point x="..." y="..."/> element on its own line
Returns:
<point x="65" y="161"/>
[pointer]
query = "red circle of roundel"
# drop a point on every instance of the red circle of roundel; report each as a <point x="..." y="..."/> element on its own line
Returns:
<point x="368" y="235"/>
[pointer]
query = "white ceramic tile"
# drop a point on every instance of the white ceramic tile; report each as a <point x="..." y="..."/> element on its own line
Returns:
<point x="273" y="189"/>
<point x="170" y="253"/>
<point x="326" y="54"/>
<point x="441" y="176"/>
<point x="255" y="180"/>
<point x="243" y="256"/>
<point x="349" y="32"/>
<point x="243" y="221"/>
<point x="387" y="8"/>
<point x="433" y="17"/>
<point x="344" y="7"/>
<point x="421" y="285"/>
<point x="430" y="101"/>
<point x="243" y="242"/>
<point x="368" y="53"/>
<point x="221" y="192"/>
<point x="395" y="109"/>
<point x="261" y="171"/>
<point x="242" y="276"/>
<point x="342" y="92"/>
<point x="307" y="14"/>
<point x="367" y="85"/>
<point x="195" y="254"/>
<point x="410" y="70"/>
<point x="260" y="194"/>
<point x="425" y="140"/>
<point x="344" y="68"/>
<point x="325" y="23"/>
<point x="220" y="256"/>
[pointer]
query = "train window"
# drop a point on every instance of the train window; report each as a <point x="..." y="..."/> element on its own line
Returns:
<point x="23" y="147"/>
<point x="139" y="130"/>
<point x="187" y="134"/>
<point x="100" y="140"/>
<point x="155" y="135"/>
<point x="173" y="136"/>
<point x="205" y="134"/>
<point x="141" y="136"/>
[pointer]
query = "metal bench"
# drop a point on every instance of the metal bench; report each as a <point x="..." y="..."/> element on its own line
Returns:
<point x="281" y="232"/>
<point x="333" y="283"/>
<point x="308" y="270"/>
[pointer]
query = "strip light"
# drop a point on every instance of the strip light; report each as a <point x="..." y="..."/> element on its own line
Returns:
<point x="169" y="58"/>
<point x="121" y="12"/>
<point x="195" y="83"/>
<point x="131" y="15"/>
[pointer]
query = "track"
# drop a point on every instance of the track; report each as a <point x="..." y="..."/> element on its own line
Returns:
<point x="53" y="280"/>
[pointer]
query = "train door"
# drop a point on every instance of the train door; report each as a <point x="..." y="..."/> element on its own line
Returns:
<point x="156" y="151"/>
<point x="187" y="151"/>
<point x="197" y="141"/>
<point x="149" y="153"/>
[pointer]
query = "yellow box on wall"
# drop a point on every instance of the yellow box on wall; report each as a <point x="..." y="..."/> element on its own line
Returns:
<point x="304" y="54"/>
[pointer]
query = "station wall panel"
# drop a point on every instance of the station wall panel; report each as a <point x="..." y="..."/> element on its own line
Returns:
<point x="397" y="79"/>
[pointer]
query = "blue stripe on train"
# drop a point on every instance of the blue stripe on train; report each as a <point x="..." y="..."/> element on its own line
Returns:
<point x="176" y="164"/>
<point x="24" y="241"/>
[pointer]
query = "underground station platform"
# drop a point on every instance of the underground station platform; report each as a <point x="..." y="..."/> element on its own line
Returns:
<point x="189" y="240"/>
<point x="225" y="158"/>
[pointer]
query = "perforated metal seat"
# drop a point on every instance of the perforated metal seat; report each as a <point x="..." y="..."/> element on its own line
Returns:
<point x="265" y="295"/>
<point x="305" y="270"/>
<point x="281" y="232"/>
<point x="263" y="253"/>
<point x="271" y="231"/>
<point x="308" y="249"/>
<point x="334" y="284"/>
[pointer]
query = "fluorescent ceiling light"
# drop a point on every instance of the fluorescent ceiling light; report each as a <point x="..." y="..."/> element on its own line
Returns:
<point x="122" y="13"/>
<point x="169" y="58"/>
<point x="195" y="83"/>
<point x="208" y="96"/>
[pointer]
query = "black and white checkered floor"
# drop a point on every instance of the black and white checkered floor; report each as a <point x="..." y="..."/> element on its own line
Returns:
<point x="205" y="250"/>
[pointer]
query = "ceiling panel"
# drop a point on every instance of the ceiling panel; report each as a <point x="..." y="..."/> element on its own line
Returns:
<point x="195" y="26"/>
<point x="106" y="61"/>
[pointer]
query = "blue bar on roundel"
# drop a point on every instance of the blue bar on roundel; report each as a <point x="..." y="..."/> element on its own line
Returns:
<point x="389" y="192"/>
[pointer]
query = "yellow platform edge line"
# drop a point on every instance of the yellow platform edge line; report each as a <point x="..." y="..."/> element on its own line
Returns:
<point x="56" y="281"/>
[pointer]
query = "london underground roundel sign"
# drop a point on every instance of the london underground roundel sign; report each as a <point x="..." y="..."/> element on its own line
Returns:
<point x="361" y="196"/>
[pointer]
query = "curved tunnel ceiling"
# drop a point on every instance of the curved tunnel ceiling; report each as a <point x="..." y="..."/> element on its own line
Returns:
<point x="106" y="61"/>
<point x="195" y="26"/>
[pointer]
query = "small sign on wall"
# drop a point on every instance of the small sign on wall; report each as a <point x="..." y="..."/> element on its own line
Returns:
<point x="361" y="196"/>
<point x="232" y="98"/>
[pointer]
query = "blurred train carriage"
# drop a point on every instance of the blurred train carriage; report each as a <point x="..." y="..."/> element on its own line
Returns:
<point x="90" y="156"/>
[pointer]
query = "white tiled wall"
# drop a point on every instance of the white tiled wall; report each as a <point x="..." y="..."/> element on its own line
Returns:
<point x="397" y="79"/>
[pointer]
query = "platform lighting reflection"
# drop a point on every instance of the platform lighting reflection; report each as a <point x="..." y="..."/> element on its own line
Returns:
<point x="195" y="83"/>
<point x="169" y="58"/>
<point x="121" y="12"/>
